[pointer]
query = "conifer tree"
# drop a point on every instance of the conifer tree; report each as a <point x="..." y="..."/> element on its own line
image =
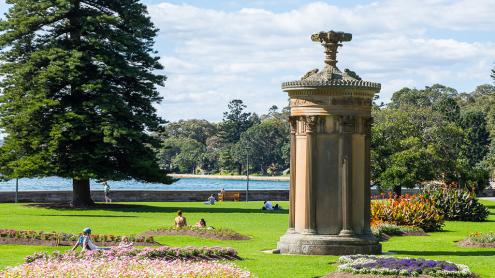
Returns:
<point x="78" y="83"/>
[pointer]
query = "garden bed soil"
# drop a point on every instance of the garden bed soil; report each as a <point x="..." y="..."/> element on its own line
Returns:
<point x="45" y="242"/>
<point x="195" y="233"/>
<point x="352" y="275"/>
<point x="467" y="243"/>
<point x="385" y="237"/>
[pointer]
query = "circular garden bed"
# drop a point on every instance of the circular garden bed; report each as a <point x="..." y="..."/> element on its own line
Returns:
<point x="371" y="266"/>
<point x="22" y="237"/>
<point x="218" y="234"/>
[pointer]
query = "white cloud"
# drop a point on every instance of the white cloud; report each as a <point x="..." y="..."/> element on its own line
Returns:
<point x="218" y="55"/>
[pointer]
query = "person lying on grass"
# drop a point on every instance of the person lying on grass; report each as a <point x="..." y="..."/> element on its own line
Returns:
<point x="86" y="243"/>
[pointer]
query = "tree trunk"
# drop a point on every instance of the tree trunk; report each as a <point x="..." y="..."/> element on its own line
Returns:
<point x="398" y="190"/>
<point x="81" y="195"/>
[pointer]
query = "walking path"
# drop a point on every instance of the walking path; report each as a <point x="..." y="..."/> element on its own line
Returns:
<point x="255" y="178"/>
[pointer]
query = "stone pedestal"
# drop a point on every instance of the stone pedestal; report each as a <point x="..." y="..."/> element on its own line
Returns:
<point x="330" y="161"/>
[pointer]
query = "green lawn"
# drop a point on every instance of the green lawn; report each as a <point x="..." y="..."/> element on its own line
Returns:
<point x="264" y="227"/>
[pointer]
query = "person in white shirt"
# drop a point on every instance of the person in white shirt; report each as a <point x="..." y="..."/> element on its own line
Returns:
<point x="211" y="200"/>
<point x="267" y="205"/>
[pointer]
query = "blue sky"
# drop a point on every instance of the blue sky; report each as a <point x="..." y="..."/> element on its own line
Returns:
<point x="215" y="51"/>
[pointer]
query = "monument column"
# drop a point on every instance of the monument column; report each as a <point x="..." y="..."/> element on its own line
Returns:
<point x="345" y="149"/>
<point x="330" y="119"/>
<point x="310" y="215"/>
<point x="292" y="189"/>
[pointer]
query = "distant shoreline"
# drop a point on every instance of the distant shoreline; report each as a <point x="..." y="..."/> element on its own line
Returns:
<point x="255" y="178"/>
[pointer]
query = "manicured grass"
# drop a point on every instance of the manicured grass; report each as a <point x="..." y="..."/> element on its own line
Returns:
<point x="265" y="228"/>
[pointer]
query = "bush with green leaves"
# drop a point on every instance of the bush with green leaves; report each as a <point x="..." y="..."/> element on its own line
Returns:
<point x="457" y="204"/>
<point x="384" y="230"/>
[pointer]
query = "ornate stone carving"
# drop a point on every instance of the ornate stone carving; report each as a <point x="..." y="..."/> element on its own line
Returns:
<point x="311" y="124"/>
<point x="331" y="41"/>
<point x="309" y="73"/>
<point x="330" y="75"/>
<point x="293" y="124"/>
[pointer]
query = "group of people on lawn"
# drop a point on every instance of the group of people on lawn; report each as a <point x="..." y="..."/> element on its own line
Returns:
<point x="85" y="242"/>
<point x="180" y="222"/>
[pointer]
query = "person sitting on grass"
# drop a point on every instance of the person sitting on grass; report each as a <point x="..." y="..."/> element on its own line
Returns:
<point x="201" y="223"/>
<point x="86" y="243"/>
<point x="180" y="221"/>
<point x="125" y="243"/>
<point x="211" y="200"/>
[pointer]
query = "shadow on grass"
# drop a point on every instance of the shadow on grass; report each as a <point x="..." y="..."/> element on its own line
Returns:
<point x="158" y="209"/>
<point x="445" y="253"/>
<point x="90" y="215"/>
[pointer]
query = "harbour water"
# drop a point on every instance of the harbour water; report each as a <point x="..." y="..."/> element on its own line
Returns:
<point x="56" y="183"/>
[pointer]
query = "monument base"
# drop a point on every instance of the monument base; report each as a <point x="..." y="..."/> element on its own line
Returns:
<point x="307" y="244"/>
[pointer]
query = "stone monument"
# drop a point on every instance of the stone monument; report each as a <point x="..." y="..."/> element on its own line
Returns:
<point x="330" y="192"/>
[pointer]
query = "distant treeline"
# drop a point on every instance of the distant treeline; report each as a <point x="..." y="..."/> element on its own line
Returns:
<point x="199" y="146"/>
<point x="421" y="135"/>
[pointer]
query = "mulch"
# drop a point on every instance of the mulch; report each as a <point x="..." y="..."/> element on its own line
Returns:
<point x="385" y="237"/>
<point x="194" y="233"/>
<point x="46" y="242"/>
<point x="467" y="243"/>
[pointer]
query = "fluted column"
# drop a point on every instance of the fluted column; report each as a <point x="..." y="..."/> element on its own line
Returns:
<point x="292" y="189"/>
<point x="367" y="172"/>
<point x="310" y="210"/>
<point x="347" y="129"/>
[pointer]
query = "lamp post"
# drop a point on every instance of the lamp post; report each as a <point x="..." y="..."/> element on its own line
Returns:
<point x="247" y="174"/>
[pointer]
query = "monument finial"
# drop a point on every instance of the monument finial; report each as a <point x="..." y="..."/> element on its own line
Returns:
<point x="331" y="41"/>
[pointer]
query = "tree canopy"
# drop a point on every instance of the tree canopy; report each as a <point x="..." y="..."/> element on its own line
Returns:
<point x="78" y="81"/>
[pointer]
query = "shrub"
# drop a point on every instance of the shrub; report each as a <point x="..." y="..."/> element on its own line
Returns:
<point x="457" y="204"/>
<point x="385" y="265"/>
<point x="408" y="210"/>
<point x="382" y="230"/>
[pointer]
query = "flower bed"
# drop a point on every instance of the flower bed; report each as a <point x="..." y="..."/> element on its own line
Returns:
<point x="55" y="238"/>
<point x="385" y="265"/>
<point x="408" y="210"/>
<point x="129" y="267"/>
<point x="384" y="231"/>
<point x="479" y="240"/>
<point x="160" y="253"/>
<point x="220" y="234"/>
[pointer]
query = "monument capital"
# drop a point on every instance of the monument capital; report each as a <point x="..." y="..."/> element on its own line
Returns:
<point x="331" y="41"/>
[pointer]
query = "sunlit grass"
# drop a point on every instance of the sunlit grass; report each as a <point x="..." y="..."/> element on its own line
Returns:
<point x="265" y="228"/>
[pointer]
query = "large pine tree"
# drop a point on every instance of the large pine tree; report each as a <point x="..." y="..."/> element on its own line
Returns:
<point x="78" y="83"/>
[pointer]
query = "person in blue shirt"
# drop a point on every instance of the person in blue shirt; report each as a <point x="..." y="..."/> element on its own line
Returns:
<point x="85" y="241"/>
